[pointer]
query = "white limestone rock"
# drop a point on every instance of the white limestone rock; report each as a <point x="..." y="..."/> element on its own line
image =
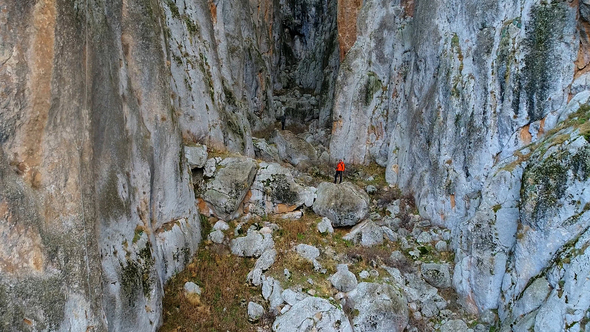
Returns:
<point x="255" y="311"/>
<point x="251" y="245"/>
<point x="381" y="307"/>
<point x="437" y="275"/>
<point x="196" y="156"/>
<point x="232" y="182"/>
<point x="367" y="234"/>
<point x="344" y="204"/>
<point x="217" y="236"/>
<point x="274" y="191"/>
<point x="312" y="313"/>
<point x="325" y="226"/>
<point x="343" y="280"/>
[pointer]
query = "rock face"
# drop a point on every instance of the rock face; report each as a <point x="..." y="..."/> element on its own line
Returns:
<point x="344" y="204"/>
<point x="449" y="103"/>
<point x="96" y="205"/>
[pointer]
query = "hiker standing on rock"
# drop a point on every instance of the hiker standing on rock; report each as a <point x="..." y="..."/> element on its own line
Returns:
<point x="339" y="170"/>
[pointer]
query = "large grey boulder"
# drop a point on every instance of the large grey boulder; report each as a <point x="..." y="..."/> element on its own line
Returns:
<point x="293" y="149"/>
<point x="196" y="155"/>
<point x="438" y="275"/>
<point x="275" y="191"/>
<point x="343" y="280"/>
<point x="291" y="297"/>
<point x="226" y="191"/>
<point x="344" y="204"/>
<point x="380" y="307"/>
<point x="272" y="291"/>
<point x="251" y="245"/>
<point x="312" y="313"/>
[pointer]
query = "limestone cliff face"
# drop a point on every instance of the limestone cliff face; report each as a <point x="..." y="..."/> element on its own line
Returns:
<point x="456" y="99"/>
<point x="95" y="209"/>
<point x="96" y="201"/>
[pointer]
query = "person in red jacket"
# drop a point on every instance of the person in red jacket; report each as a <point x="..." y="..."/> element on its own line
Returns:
<point x="339" y="170"/>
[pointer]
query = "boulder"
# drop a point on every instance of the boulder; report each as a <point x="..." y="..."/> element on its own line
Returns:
<point x="371" y="189"/>
<point x="424" y="238"/>
<point x="196" y="156"/>
<point x="437" y="275"/>
<point x="367" y="234"/>
<point x="441" y="246"/>
<point x="455" y="325"/>
<point x="266" y="260"/>
<point x="251" y="245"/>
<point x="210" y="168"/>
<point x="380" y="307"/>
<point x="344" y="204"/>
<point x="272" y="291"/>
<point x="265" y="151"/>
<point x="255" y="311"/>
<point x="343" y="280"/>
<point x="292" y="297"/>
<point x="221" y="225"/>
<point x="191" y="288"/>
<point x="226" y="191"/>
<point x="418" y="290"/>
<point x="312" y="314"/>
<point x="293" y="149"/>
<point x="309" y="253"/>
<point x="216" y="236"/>
<point x="325" y="226"/>
<point x="192" y="292"/>
<point x="274" y="191"/>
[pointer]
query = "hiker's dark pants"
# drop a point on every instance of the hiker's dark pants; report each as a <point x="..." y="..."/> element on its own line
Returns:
<point x="336" y="176"/>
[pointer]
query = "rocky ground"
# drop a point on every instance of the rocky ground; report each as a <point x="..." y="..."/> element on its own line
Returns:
<point x="288" y="251"/>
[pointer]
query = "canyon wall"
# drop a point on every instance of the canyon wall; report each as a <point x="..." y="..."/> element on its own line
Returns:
<point x="478" y="111"/>
<point x="98" y="98"/>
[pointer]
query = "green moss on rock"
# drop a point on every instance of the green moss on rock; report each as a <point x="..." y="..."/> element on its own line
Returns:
<point x="137" y="274"/>
<point x="372" y="86"/>
<point x="544" y="31"/>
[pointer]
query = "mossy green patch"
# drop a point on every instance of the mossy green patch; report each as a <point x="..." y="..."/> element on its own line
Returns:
<point x="372" y="85"/>
<point x="173" y="9"/>
<point x="137" y="274"/>
<point x="543" y="33"/>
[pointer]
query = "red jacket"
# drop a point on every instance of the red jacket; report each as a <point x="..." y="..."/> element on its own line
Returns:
<point x="340" y="167"/>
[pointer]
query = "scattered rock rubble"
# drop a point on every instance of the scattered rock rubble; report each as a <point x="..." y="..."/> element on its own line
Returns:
<point x="406" y="289"/>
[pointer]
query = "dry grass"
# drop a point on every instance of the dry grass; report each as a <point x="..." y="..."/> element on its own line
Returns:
<point x="223" y="303"/>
